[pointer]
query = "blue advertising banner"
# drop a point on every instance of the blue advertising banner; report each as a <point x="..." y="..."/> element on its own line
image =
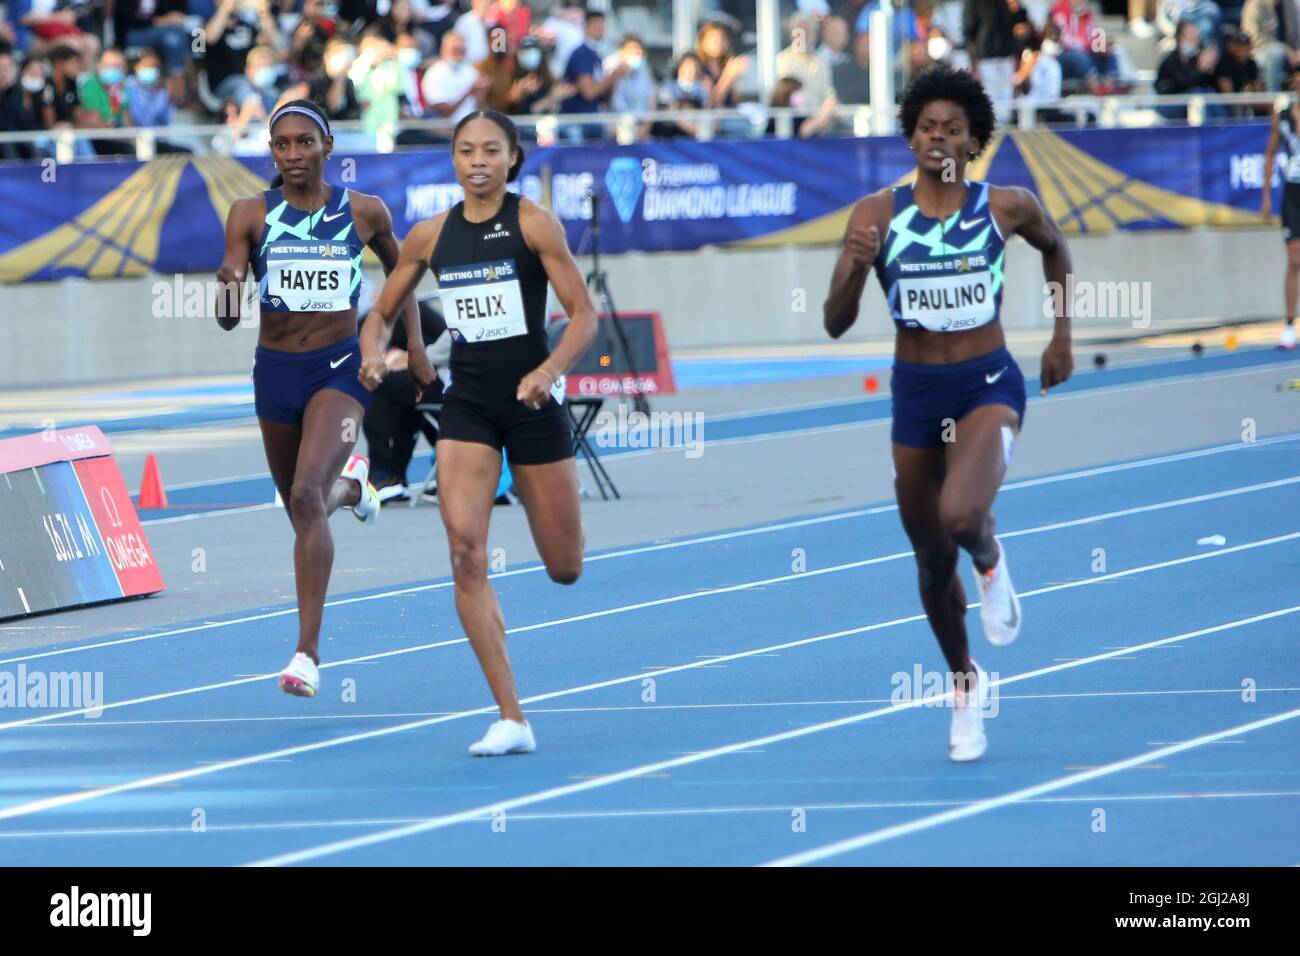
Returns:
<point x="115" y="219"/>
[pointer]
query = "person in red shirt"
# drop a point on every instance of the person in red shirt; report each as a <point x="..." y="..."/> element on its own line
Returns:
<point x="1084" y="55"/>
<point x="514" y="16"/>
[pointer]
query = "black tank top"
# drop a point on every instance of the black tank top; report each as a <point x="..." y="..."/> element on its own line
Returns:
<point x="493" y="292"/>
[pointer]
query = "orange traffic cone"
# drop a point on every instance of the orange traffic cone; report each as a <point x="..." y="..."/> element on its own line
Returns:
<point x="152" y="493"/>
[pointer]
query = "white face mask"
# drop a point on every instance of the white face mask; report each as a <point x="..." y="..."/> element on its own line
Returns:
<point x="937" y="47"/>
<point x="530" y="59"/>
<point x="634" y="62"/>
<point x="409" y="57"/>
<point x="33" y="84"/>
<point x="1051" y="47"/>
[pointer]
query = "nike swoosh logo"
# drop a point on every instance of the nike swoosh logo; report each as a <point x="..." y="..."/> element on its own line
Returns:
<point x="974" y="222"/>
<point x="338" y="362"/>
<point x="332" y="218"/>
<point x="995" y="376"/>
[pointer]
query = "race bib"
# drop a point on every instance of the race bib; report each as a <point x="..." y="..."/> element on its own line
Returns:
<point x="482" y="302"/>
<point x="310" y="276"/>
<point x="946" y="294"/>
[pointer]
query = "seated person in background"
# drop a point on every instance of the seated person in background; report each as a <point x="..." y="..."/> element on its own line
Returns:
<point x="23" y="105"/>
<point x="852" y="80"/>
<point x="148" y="100"/>
<point x="689" y="89"/>
<point x="789" y="93"/>
<point x="1265" y="22"/>
<point x="391" y="423"/>
<point x="1237" y="72"/>
<point x="535" y="89"/>
<point x="1189" y="68"/>
<point x="157" y="25"/>
<point x="44" y="24"/>
<point x="104" y="101"/>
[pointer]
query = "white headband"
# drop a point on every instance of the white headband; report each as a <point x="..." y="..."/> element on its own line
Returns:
<point x="324" y="128"/>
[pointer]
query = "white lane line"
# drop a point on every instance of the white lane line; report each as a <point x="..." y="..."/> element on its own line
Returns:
<point x="562" y="815"/>
<point x="691" y="595"/>
<point x="668" y="545"/>
<point x="650" y="708"/>
<point x="165" y="778"/>
<point x="1016" y="796"/>
<point x="552" y="793"/>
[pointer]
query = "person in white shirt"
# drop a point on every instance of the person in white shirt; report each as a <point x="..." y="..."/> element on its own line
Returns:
<point x="635" y="92"/>
<point x="451" y="86"/>
<point x="473" y="27"/>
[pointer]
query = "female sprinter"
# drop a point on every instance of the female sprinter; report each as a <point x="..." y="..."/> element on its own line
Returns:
<point x="958" y="395"/>
<point x="304" y="239"/>
<point x="1286" y="131"/>
<point x="493" y="254"/>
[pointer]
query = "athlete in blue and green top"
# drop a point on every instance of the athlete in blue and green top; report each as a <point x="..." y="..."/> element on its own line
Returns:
<point x="304" y="239"/>
<point x="958" y="396"/>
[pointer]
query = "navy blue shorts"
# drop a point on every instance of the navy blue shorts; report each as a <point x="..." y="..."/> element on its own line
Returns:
<point x="284" y="382"/>
<point x="923" y="396"/>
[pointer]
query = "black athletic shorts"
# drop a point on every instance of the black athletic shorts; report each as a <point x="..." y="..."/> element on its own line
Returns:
<point x="529" y="437"/>
<point x="1291" y="211"/>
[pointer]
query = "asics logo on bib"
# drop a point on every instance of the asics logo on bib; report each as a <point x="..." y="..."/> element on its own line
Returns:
<point x="993" y="377"/>
<point x="337" y="362"/>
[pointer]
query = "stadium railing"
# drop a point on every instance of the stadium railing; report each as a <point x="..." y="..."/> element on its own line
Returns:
<point x="749" y="120"/>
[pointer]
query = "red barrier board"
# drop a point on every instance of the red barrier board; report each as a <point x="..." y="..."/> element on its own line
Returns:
<point x="69" y="533"/>
<point x="602" y="370"/>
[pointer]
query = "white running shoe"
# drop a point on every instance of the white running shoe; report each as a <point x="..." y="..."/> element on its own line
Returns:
<point x="1287" y="341"/>
<point x="393" y="493"/>
<point x="999" y="606"/>
<point x="301" y="678"/>
<point x="505" y="737"/>
<point x="966" y="739"/>
<point x="1141" y="29"/>
<point x="367" y="509"/>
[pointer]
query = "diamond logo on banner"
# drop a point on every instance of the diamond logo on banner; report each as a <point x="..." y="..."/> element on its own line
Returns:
<point x="623" y="179"/>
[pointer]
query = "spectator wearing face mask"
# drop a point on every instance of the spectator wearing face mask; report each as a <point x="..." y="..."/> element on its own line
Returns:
<point x="104" y="101"/>
<point x="834" y="48"/>
<point x="635" y="91"/>
<point x="535" y="89"/>
<point x="20" y="106"/>
<point x="331" y="87"/>
<point x="149" y="103"/>
<point x="452" y="86"/>
<point x="158" y="25"/>
<point x="379" y="83"/>
<point x="1188" y="69"/>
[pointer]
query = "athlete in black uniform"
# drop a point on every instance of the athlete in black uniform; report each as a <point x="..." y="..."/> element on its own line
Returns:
<point x="305" y="239"/>
<point x="1286" y="131"/>
<point x="493" y="254"/>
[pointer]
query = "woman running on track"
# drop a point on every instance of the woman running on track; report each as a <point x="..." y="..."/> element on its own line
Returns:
<point x="1286" y="126"/>
<point x="493" y="254"/>
<point x="304" y="238"/>
<point x="958" y="395"/>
